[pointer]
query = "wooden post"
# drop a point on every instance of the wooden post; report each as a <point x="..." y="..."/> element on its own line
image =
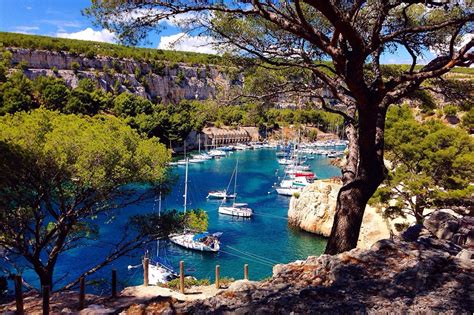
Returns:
<point x="45" y="299"/>
<point x="146" y="263"/>
<point x="19" y="295"/>
<point x="114" y="283"/>
<point x="82" y="292"/>
<point x="181" y="276"/>
<point x="246" y="271"/>
<point x="218" y="276"/>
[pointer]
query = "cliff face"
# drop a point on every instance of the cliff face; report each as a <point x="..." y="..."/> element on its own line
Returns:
<point x="313" y="211"/>
<point x="162" y="81"/>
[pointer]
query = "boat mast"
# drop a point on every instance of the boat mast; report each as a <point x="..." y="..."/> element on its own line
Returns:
<point x="159" y="205"/>
<point x="199" y="143"/>
<point x="235" y="180"/>
<point x="186" y="186"/>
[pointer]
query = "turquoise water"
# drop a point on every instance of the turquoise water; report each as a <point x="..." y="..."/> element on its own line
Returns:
<point x="266" y="238"/>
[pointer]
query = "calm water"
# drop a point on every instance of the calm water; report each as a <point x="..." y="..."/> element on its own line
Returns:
<point x="257" y="241"/>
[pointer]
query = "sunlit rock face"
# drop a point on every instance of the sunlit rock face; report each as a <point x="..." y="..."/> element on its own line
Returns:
<point x="169" y="83"/>
<point x="313" y="211"/>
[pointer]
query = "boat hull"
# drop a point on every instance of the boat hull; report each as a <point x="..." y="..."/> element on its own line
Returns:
<point x="186" y="241"/>
<point x="236" y="212"/>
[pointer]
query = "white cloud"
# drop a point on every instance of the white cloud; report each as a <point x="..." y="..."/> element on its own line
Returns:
<point x="151" y="13"/>
<point x="185" y="42"/>
<point x="89" y="34"/>
<point x="29" y="8"/>
<point x="25" y="29"/>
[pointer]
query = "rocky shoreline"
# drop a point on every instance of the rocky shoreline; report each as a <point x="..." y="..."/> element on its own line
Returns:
<point x="429" y="269"/>
<point x="313" y="211"/>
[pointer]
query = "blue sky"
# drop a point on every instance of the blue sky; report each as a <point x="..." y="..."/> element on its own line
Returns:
<point x="63" y="18"/>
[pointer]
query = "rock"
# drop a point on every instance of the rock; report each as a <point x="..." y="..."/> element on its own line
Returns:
<point x="465" y="255"/>
<point x="200" y="81"/>
<point x="314" y="212"/>
<point x="446" y="226"/>
<point x="96" y="309"/>
<point x="412" y="233"/>
<point x="442" y="225"/>
<point x="242" y="285"/>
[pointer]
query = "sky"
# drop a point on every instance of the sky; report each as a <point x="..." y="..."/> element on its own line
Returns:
<point x="63" y="18"/>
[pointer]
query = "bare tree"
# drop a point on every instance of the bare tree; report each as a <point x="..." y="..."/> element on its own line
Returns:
<point x="341" y="43"/>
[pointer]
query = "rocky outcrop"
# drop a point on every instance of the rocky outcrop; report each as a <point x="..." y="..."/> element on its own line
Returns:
<point x="162" y="81"/>
<point x="313" y="211"/>
<point x="392" y="277"/>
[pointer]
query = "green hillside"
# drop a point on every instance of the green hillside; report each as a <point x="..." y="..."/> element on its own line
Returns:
<point x="90" y="49"/>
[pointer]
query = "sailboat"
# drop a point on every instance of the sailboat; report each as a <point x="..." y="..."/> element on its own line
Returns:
<point x="237" y="209"/>
<point x="222" y="194"/>
<point x="158" y="270"/>
<point x="205" y="242"/>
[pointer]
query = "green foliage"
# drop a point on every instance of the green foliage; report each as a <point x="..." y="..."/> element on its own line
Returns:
<point x="450" y="110"/>
<point x="196" y="220"/>
<point x="52" y="93"/>
<point x="16" y="94"/>
<point x="188" y="283"/>
<point x="92" y="49"/>
<point x="87" y="99"/>
<point x="59" y="172"/>
<point x="468" y="121"/>
<point x="75" y="66"/>
<point x="427" y="103"/>
<point x="180" y="77"/>
<point x="433" y="165"/>
<point x="130" y="105"/>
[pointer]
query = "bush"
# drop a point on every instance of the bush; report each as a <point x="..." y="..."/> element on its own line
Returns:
<point x="75" y="66"/>
<point x="450" y="110"/>
<point x="188" y="283"/>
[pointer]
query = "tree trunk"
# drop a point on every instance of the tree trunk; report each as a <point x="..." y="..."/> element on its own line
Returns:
<point x="365" y="176"/>
<point x="45" y="276"/>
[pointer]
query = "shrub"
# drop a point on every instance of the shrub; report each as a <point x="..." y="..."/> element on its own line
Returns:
<point x="450" y="110"/>
<point x="188" y="283"/>
<point x="75" y="66"/>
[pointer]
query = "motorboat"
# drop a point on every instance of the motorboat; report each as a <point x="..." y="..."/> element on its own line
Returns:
<point x="288" y="191"/>
<point x="295" y="182"/>
<point x="237" y="210"/>
<point x="285" y="161"/>
<point x="216" y="153"/>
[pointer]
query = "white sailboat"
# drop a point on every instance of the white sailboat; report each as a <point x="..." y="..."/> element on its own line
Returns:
<point x="237" y="209"/>
<point x="205" y="241"/>
<point x="158" y="271"/>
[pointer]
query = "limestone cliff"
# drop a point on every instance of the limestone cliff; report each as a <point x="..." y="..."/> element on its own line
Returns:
<point x="313" y="211"/>
<point x="162" y="81"/>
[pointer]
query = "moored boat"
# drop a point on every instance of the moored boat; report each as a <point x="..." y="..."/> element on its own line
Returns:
<point x="220" y="194"/>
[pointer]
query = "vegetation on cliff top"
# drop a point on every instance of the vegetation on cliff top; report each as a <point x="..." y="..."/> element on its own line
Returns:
<point x="92" y="49"/>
